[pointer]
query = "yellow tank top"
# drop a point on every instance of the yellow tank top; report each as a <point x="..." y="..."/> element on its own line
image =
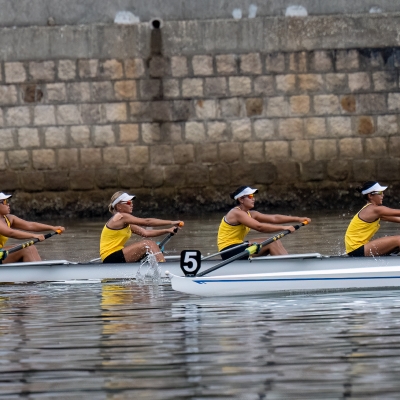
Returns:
<point x="360" y="232"/>
<point x="231" y="234"/>
<point x="112" y="240"/>
<point x="3" y="239"/>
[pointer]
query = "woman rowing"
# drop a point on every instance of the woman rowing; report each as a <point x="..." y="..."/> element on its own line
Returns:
<point x="13" y="227"/>
<point x="120" y="227"/>
<point x="237" y="223"/>
<point x="365" y="224"/>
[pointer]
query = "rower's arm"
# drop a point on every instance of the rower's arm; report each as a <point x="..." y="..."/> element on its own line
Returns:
<point x="17" y="234"/>
<point x="152" y="222"/>
<point x="386" y="213"/>
<point x="277" y="218"/>
<point x="253" y="223"/>
<point x="138" y="230"/>
<point x="20" y="223"/>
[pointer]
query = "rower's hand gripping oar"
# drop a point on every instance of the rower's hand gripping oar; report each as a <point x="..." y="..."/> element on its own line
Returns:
<point x="252" y="249"/>
<point x="168" y="237"/>
<point x="4" y="253"/>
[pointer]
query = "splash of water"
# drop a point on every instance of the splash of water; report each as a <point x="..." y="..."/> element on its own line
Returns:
<point x="149" y="269"/>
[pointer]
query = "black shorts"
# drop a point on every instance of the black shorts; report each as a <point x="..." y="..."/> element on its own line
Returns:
<point x="115" y="258"/>
<point x="240" y="248"/>
<point x="357" y="252"/>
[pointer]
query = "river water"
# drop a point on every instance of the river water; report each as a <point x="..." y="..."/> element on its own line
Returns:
<point x="129" y="341"/>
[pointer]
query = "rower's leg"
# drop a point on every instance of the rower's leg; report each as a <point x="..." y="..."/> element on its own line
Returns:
<point x="381" y="246"/>
<point x="136" y="251"/>
<point x="27" y="254"/>
<point x="274" y="249"/>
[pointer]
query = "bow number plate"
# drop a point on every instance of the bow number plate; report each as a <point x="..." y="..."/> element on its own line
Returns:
<point x="190" y="262"/>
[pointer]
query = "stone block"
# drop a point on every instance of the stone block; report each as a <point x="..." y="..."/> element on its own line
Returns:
<point x="338" y="170"/>
<point x="230" y="107"/>
<point x="300" y="150"/>
<point x="241" y="130"/>
<point x="340" y="126"/>
<point x="192" y="87"/>
<point x="179" y="67"/>
<point x="131" y="177"/>
<point x="365" y="125"/>
<point x="277" y="107"/>
<point x="215" y="87"/>
<point x="7" y="138"/>
<point x="376" y="148"/>
<point x="134" y="68"/>
<point x="80" y="135"/>
<point x="253" y="152"/>
<point x="387" y="125"/>
<point x="42" y="71"/>
<point x="276" y="150"/>
<point x="2" y="123"/>
<point x="150" y="89"/>
<point x="88" y="68"/>
<point x="359" y="81"/>
<point x="32" y="181"/>
<point x="68" y="158"/>
<point x="27" y="137"/>
<point x="18" y="159"/>
<point x="363" y="170"/>
<point x="207" y="153"/>
<point x="67" y="70"/>
<point x="183" y="110"/>
<point x="226" y="64"/>
<point x="311" y="82"/>
<point x="18" y="116"/>
<point x="389" y="170"/>
<point x="220" y="174"/>
<point x="113" y="156"/>
<point x="102" y="91"/>
<point x="393" y="146"/>
<point x="315" y="127"/>
<point x="298" y="62"/>
<point x="264" y="85"/>
<point x="217" y="131"/>
<point x="264" y="129"/>
<point x="56" y="92"/>
<point x="140" y="111"/>
<point x="385" y="80"/>
<point x="55" y="136"/>
<point x="299" y="105"/>
<point x="347" y="60"/>
<point x="202" y="65"/>
<point x="351" y="148"/>
<point x="336" y="83"/>
<point x="254" y="106"/>
<point x="348" y="104"/>
<point x="128" y="133"/>
<point x="111" y="69"/>
<point x="8" y="95"/>
<point x="195" y="132"/>
<point x="172" y="132"/>
<point x="287" y="172"/>
<point x="161" y="155"/>
<point x="394" y="101"/>
<point x="151" y="133"/>
<point x="82" y="179"/>
<point x="10" y="181"/>
<point x="115" y="112"/>
<point x="275" y="63"/>
<point x="206" y="109"/>
<point x="196" y="175"/>
<point x="90" y="157"/>
<point x="240" y="85"/>
<point x="105" y="178"/>
<point x="91" y="113"/>
<point x="243" y="172"/>
<point x="312" y="171"/>
<point x="15" y="72"/>
<point x="291" y="128"/>
<point x="325" y="149"/>
<point x="326" y="104"/>
<point x="44" y="115"/>
<point x="286" y="83"/>
<point x="229" y="152"/>
<point x="321" y="61"/>
<point x="139" y="154"/>
<point x="183" y="153"/>
<point x="78" y="92"/>
<point x="171" y="88"/>
<point x="103" y="135"/>
<point x="174" y="176"/>
<point x="371" y="103"/>
<point x="154" y="176"/>
<point x="2" y="161"/>
<point x="161" y="111"/>
<point x="250" y="64"/>
<point x="125" y="90"/>
<point x="68" y="114"/>
<point x="158" y="66"/>
<point x="31" y="93"/>
<point x="43" y="159"/>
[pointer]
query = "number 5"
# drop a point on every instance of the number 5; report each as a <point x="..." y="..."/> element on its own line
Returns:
<point x="190" y="262"/>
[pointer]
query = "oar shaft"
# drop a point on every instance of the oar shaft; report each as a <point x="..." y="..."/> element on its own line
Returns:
<point x="224" y="251"/>
<point x="168" y="237"/>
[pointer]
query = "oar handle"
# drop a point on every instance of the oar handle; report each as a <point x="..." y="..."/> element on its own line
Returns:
<point x="169" y="236"/>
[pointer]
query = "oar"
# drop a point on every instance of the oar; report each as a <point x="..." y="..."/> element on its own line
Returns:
<point x="253" y="249"/>
<point x="5" y="253"/>
<point x="168" y="237"/>
<point x="225" y="251"/>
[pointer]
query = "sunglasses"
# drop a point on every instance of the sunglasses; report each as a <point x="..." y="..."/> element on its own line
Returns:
<point x="380" y="193"/>
<point x="129" y="202"/>
<point x="250" y="196"/>
<point x="4" y="202"/>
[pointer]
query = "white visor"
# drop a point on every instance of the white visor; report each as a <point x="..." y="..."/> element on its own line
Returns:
<point x="245" y="192"/>
<point x="5" y="196"/>
<point x="375" y="188"/>
<point x="123" y="197"/>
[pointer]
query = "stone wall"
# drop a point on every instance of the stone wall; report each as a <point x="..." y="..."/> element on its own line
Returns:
<point x="181" y="129"/>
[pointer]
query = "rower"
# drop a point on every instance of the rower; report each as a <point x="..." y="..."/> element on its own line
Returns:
<point x="13" y="227"/>
<point x="365" y="224"/>
<point x="120" y="227"/>
<point x="236" y="224"/>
